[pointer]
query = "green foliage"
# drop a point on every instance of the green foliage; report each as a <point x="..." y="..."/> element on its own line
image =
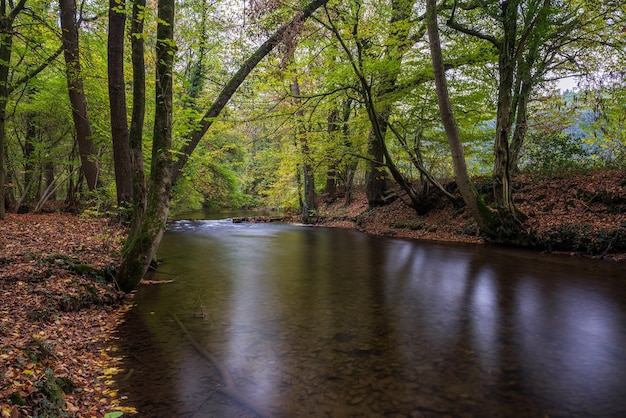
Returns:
<point x="51" y="388"/>
<point x="583" y="238"/>
<point x="555" y="153"/>
<point x="102" y="202"/>
<point x="214" y="175"/>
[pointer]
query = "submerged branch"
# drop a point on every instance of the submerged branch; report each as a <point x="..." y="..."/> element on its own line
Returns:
<point x="229" y="389"/>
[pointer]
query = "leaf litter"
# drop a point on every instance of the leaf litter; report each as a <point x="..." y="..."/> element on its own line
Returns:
<point x="58" y="309"/>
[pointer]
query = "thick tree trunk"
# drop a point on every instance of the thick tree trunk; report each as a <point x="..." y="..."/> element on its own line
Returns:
<point x="139" y="251"/>
<point x="376" y="176"/>
<point x="481" y="214"/>
<point x="117" y="102"/>
<point x="6" y="46"/>
<point x="503" y="193"/>
<point x="78" y="99"/>
<point x="6" y="42"/>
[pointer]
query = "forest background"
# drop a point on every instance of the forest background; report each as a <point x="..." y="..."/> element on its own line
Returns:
<point x="305" y="105"/>
<point x="464" y="120"/>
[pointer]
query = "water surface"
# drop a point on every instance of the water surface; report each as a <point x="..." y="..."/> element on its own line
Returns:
<point x="317" y="322"/>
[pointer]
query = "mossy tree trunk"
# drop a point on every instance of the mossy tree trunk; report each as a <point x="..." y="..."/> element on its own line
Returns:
<point x="149" y="220"/>
<point x="140" y="249"/>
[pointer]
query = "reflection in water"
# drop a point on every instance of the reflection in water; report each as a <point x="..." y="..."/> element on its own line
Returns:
<point x="325" y="322"/>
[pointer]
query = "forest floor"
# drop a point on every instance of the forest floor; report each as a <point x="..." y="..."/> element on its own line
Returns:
<point x="578" y="214"/>
<point x="58" y="310"/>
<point x="59" y="307"/>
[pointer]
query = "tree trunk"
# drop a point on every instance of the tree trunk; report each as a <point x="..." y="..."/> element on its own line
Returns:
<point x="521" y="125"/>
<point x="137" y="116"/>
<point x="237" y="79"/>
<point x="503" y="193"/>
<point x="6" y="46"/>
<point x="78" y="99"/>
<point x="117" y="103"/>
<point x="309" y="202"/>
<point x="481" y="214"/>
<point x="147" y="230"/>
<point x="139" y="251"/>
<point x="330" y="188"/>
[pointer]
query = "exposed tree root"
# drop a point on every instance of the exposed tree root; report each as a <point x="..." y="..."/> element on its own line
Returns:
<point x="229" y="388"/>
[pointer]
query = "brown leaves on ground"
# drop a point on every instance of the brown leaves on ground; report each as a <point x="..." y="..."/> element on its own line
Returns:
<point x="582" y="213"/>
<point x="57" y="311"/>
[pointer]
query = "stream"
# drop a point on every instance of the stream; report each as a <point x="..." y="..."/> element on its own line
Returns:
<point x="323" y="322"/>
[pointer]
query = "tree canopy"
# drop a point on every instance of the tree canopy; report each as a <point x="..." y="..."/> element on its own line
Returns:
<point x="281" y="103"/>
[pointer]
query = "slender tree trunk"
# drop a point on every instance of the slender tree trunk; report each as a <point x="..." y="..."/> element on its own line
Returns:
<point x="117" y="102"/>
<point x="521" y="126"/>
<point x="137" y="116"/>
<point x="139" y="252"/>
<point x="309" y="202"/>
<point x="330" y="188"/>
<point x="481" y="214"/>
<point x="78" y="99"/>
<point x="31" y="188"/>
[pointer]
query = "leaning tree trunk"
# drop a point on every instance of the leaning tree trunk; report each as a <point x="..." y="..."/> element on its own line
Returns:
<point x="117" y="102"/>
<point x="480" y="212"/>
<point x="139" y="251"/>
<point x="238" y="78"/>
<point x="147" y="230"/>
<point x="78" y="99"/>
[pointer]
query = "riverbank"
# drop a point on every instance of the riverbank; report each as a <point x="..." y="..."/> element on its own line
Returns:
<point x="58" y="309"/>
<point x="578" y="214"/>
<point x="58" y="306"/>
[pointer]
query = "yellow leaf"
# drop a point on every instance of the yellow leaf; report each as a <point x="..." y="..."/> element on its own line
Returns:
<point x="112" y="371"/>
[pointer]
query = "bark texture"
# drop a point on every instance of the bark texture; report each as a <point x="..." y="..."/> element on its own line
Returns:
<point x="139" y="251"/>
<point x="481" y="214"/>
<point x="135" y="134"/>
<point x="117" y="102"/>
<point x="78" y="99"/>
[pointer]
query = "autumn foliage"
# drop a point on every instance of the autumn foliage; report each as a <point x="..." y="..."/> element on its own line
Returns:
<point x="57" y="311"/>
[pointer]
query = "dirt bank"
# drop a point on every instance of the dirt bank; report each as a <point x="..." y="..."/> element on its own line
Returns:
<point x="582" y="214"/>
